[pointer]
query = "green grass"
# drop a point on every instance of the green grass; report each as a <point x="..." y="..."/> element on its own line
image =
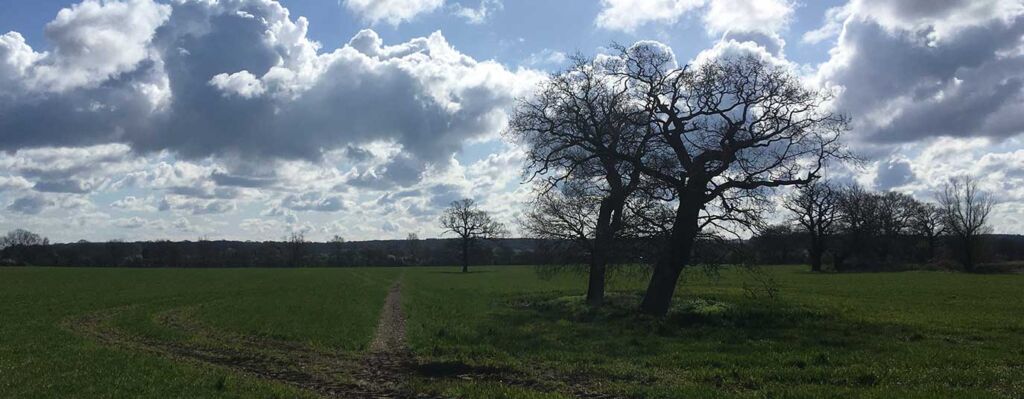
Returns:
<point x="875" y="335"/>
<point x="334" y="308"/>
<point x="893" y="335"/>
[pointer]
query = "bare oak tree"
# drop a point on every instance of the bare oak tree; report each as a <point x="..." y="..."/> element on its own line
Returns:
<point x="719" y="136"/>
<point x="927" y="223"/>
<point x="816" y="206"/>
<point x="470" y="224"/>
<point x="574" y="128"/>
<point x="965" y="210"/>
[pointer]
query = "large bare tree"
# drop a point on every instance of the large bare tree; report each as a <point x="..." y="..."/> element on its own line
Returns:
<point x="719" y="136"/>
<point x="574" y="128"/>
<point x="467" y="221"/>
<point x="816" y="207"/>
<point x="965" y="210"/>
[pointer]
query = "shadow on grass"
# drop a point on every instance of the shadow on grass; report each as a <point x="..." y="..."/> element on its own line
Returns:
<point x="613" y="343"/>
<point x="460" y="272"/>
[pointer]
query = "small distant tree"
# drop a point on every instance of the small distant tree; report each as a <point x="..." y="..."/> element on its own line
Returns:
<point x="338" y="249"/>
<point x="296" y="242"/>
<point x="860" y="228"/>
<point x="816" y="206"/>
<point x="412" y="242"/>
<point x="927" y="223"/>
<point x="21" y="237"/>
<point x="471" y="224"/>
<point x="965" y="210"/>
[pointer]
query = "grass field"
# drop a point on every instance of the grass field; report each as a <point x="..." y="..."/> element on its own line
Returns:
<point x="505" y="332"/>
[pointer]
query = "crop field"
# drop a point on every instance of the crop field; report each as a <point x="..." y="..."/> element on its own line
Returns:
<point x="505" y="332"/>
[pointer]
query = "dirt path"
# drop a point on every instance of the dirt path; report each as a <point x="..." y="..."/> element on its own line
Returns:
<point x="389" y="363"/>
<point x="382" y="372"/>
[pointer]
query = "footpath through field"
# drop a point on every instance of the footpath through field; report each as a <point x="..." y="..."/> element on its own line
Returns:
<point x="382" y="372"/>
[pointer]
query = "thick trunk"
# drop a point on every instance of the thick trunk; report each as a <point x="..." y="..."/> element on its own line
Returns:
<point x="595" y="286"/>
<point x="816" y="251"/>
<point x="662" y="287"/>
<point x="465" y="256"/>
<point x="674" y="257"/>
<point x="603" y="241"/>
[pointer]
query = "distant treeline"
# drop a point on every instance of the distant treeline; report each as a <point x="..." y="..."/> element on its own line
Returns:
<point x="783" y="244"/>
<point x="778" y="245"/>
<point x="212" y="254"/>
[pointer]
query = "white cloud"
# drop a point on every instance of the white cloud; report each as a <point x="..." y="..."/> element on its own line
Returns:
<point x="254" y="87"/>
<point x="547" y="57"/>
<point x="30" y="204"/>
<point x="393" y="12"/>
<point x="92" y="41"/>
<point x="134" y="204"/>
<point x="628" y="15"/>
<point x="243" y="84"/>
<point x="921" y="169"/>
<point x="912" y="70"/>
<point x="764" y="16"/>
<point x="479" y="15"/>
<point x="14" y="183"/>
<point x="767" y="17"/>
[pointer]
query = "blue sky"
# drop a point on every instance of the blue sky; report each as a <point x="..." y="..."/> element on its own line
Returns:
<point x="144" y="119"/>
<point x="516" y="31"/>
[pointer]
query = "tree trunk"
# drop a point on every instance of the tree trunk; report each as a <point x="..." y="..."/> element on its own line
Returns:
<point x="662" y="287"/>
<point x="603" y="241"/>
<point x="968" y="254"/>
<point x="931" y="248"/>
<point x="674" y="257"/>
<point x="465" y="255"/>
<point x="816" y="251"/>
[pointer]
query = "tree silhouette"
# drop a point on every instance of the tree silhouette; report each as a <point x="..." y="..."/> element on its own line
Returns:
<point x="21" y="237"/>
<point x="574" y="127"/>
<point x="927" y="223"/>
<point x="816" y="206"/>
<point x="965" y="210"/>
<point x="470" y="224"/>
<point x="719" y="136"/>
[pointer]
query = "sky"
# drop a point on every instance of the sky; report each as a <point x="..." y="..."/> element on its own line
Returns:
<point x="252" y="119"/>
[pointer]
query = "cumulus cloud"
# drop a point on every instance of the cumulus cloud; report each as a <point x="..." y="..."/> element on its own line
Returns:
<point x="893" y="173"/>
<point x="92" y="41"/>
<point x="313" y="201"/>
<point x="922" y="168"/>
<point x="14" y="183"/>
<point x="29" y="204"/>
<point x="243" y="84"/>
<point x="628" y="15"/>
<point x="923" y="70"/>
<point x="135" y="204"/>
<point x="393" y="12"/>
<point x="241" y="80"/>
<point x="130" y="223"/>
<point x="764" y="16"/>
